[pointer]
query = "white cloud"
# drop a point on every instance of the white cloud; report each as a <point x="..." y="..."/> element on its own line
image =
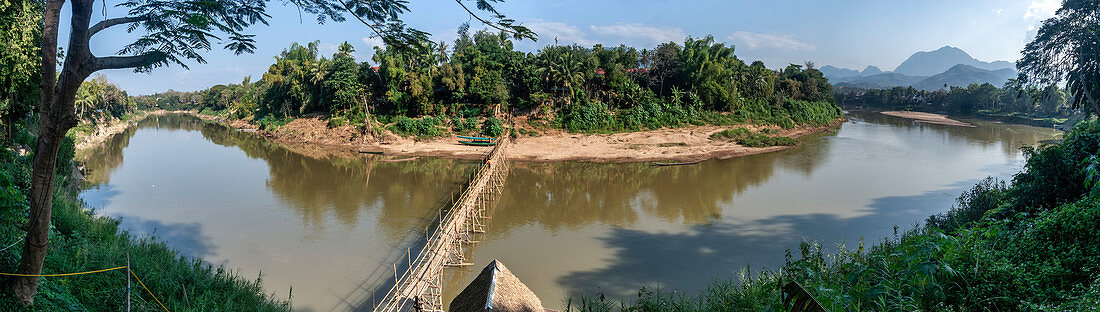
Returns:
<point x="768" y="41"/>
<point x="562" y="32"/>
<point x="372" y="42"/>
<point x="1042" y="9"/>
<point x="652" y="34"/>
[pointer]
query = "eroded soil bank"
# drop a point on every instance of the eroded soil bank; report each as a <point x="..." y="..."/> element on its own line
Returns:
<point x="678" y="144"/>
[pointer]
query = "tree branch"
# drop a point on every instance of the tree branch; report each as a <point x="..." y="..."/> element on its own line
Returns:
<point x="490" y="24"/>
<point x="136" y="61"/>
<point x="371" y="26"/>
<point x="112" y="22"/>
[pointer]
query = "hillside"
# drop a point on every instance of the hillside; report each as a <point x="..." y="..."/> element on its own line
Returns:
<point x="881" y="81"/>
<point x="928" y="63"/>
<point x="964" y="75"/>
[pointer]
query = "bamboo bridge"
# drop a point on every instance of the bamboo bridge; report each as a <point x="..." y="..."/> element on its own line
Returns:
<point x="420" y="287"/>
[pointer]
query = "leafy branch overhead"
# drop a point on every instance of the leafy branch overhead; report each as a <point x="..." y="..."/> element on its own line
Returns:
<point x="383" y="17"/>
<point x="178" y="30"/>
<point x="1067" y="49"/>
<point x="175" y="31"/>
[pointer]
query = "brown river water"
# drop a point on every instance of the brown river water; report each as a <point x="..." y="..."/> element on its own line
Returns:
<point x="324" y="229"/>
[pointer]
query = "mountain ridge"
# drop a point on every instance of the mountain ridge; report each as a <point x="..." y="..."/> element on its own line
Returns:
<point x="928" y="63"/>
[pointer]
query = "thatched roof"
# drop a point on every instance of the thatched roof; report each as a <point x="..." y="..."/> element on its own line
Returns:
<point x="496" y="289"/>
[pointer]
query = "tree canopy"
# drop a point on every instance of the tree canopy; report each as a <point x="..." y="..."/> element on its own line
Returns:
<point x="1067" y="49"/>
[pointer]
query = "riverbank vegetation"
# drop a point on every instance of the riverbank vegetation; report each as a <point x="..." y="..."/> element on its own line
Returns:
<point x="431" y="89"/>
<point x="1026" y="244"/>
<point x="751" y="138"/>
<point x="1016" y="102"/>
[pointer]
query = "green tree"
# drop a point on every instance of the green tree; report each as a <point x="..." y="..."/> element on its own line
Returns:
<point x="342" y="85"/>
<point x="19" y="62"/>
<point x="1067" y="49"/>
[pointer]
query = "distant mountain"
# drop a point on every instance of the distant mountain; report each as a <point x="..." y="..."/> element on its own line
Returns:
<point x="881" y="81"/>
<point x="837" y="74"/>
<point x="871" y="70"/>
<point x="833" y="72"/>
<point x="963" y="75"/>
<point x="928" y="63"/>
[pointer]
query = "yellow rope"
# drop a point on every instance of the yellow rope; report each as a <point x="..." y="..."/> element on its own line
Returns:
<point x="96" y="271"/>
<point x="147" y="290"/>
<point x="64" y="274"/>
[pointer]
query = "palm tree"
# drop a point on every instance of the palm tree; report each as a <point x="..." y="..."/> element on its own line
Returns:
<point x="441" y="52"/>
<point x="560" y="68"/>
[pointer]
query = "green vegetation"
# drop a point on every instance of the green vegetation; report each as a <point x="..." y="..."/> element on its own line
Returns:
<point x="80" y="241"/>
<point x="1028" y="245"/>
<point x="482" y="76"/>
<point x="19" y="60"/>
<point x="731" y="134"/>
<point x="749" y="138"/>
<point x="1015" y="102"/>
<point x="426" y="127"/>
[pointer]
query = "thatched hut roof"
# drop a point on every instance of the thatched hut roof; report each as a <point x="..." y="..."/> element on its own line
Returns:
<point x="496" y="289"/>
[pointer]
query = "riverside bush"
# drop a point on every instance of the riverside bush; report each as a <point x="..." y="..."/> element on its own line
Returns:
<point x="425" y="127"/>
<point x="492" y="127"/>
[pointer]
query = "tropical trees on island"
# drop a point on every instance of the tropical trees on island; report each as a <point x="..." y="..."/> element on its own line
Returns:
<point x="579" y="88"/>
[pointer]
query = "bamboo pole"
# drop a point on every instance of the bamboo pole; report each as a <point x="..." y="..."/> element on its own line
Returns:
<point x="128" y="282"/>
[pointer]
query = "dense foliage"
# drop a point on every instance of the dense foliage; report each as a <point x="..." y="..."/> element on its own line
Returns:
<point x="482" y="75"/>
<point x="1066" y="50"/>
<point x="1020" y="246"/>
<point x="81" y="240"/>
<point x="1013" y="98"/>
<point x="19" y="61"/>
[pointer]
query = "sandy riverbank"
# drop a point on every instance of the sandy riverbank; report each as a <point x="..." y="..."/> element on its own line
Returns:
<point x="928" y="118"/>
<point x="679" y="144"/>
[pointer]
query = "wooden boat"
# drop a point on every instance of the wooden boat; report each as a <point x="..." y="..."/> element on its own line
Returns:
<point x="478" y="143"/>
<point x="475" y="137"/>
<point x="679" y="163"/>
<point x="371" y="152"/>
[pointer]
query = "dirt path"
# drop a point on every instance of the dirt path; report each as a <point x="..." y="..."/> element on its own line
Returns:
<point x="928" y="118"/>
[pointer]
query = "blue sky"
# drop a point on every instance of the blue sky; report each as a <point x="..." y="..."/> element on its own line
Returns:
<point x="850" y="34"/>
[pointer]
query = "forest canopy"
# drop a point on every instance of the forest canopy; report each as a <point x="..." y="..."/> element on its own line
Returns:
<point x="482" y="74"/>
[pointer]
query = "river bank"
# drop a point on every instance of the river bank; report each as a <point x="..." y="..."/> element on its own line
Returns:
<point x="87" y="136"/>
<point x="692" y="143"/>
<point x="928" y="118"/>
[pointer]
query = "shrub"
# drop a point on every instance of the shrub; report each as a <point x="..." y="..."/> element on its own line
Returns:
<point x="731" y="134"/>
<point x="760" y="140"/>
<point x="463" y="124"/>
<point x="492" y="127"/>
<point x="585" y="117"/>
<point x="425" y="127"/>
<point x="971" y="206"/>
<point x="1056" y="174"/>
<point x="273" y="122"/>
<point x="336" y="122"/>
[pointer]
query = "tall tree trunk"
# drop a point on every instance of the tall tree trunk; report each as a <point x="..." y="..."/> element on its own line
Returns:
<point x="1088" y="95"/>
<point x="56" y="117"/>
